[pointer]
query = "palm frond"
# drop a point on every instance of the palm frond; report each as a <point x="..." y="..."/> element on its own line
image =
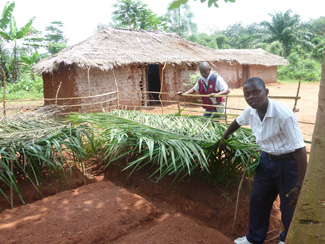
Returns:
<point x="35" y="142"/>
<point x="174" y="145"/>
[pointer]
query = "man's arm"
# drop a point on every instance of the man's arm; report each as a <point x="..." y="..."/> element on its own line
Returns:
<point x="301" y="159"/>
<point x="221" y="87"/>
<point x="190" y="91"/>
<point x="225" y="92"/>
<point x="231" y="129"/>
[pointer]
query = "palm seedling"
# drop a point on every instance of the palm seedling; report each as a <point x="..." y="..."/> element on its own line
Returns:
<point x="33" y="143"/>
<point x="174" y="145"/>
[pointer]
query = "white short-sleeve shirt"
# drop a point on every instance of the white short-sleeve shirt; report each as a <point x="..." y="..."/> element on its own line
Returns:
<point x="221" y="85"/>
<point x="278" y="133"/>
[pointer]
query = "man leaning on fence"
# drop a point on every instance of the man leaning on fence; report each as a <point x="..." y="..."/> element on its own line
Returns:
<point x="210" y="84"/>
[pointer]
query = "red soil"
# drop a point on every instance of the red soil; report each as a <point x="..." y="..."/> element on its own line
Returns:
<point x="139" y="210"/>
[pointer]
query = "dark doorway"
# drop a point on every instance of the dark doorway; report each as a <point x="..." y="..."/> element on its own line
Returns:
<point x="153" y="82"/>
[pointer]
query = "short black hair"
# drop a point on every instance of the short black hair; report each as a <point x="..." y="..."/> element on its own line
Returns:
<point x="256" y="80"/>
<point x="204" y="65"/>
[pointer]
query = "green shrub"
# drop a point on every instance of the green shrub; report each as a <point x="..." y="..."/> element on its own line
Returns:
<point x="24" y="88"/>
<point x="309" y="69"/>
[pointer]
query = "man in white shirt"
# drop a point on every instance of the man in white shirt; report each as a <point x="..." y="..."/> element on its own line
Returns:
<point x="210" y="84"/>
<point x="283" y="161"/>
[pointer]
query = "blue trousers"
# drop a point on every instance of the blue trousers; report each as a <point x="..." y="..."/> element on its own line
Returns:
<point x="271" y="178"/>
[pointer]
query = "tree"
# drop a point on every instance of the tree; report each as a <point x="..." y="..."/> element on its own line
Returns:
<point x="180" y="21"/>
<point x="177" y="3"/>
<point x="286" y="29"/>
<point x="133" y="14"/>
<point x="308" y="223"/>
<point x="13" y="34"/>
<point x="244" y="37"/>
<point x="317" y="26"/>
<point x="54" y="38"/>
<point x="33" y="41"/>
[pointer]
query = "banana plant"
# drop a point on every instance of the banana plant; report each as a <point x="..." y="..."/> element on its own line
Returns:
<point x="14" y="33"/>
<point x="6" y="15"/>
<point x="29" y="61"/>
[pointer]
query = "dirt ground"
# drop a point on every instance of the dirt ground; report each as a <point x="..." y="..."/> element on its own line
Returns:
<point x="108" y="208"/>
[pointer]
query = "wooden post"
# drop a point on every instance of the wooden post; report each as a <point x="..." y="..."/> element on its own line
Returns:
<point x="117" y="92"/>
<point x="57" y="93"/>
<point x="4" y="92"/>
<point x="91" y="110"/>
<point x="11" y="186"/>
<point x="56" y="97"/>
<point x="226" y="102"/>
<point x="297" y="96"/>
<point x="161" y="87"/>
<point x="177" y="98"/>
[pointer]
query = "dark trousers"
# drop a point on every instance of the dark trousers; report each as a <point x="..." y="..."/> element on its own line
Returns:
<point x="209" y="113"/>
<point x="271" y="178"/>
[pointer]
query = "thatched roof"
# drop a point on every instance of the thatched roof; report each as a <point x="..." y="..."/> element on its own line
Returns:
<point x="114" y="47"/>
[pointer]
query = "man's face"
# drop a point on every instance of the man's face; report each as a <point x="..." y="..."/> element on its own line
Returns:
<point x="205" y="72"/>
<point x="255" y="94"/>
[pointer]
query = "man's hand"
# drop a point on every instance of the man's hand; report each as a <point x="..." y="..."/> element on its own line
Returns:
<point x="212" y="94"/>
<point x="294" y="194"/>
<point x="222" y="145"/>
<point x="179" y="93"/>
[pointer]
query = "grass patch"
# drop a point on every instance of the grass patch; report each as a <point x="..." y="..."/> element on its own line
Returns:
<point x="288" y="81"/>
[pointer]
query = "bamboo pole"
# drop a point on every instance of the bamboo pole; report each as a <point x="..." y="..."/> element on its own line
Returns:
<point x="117" y="91"/>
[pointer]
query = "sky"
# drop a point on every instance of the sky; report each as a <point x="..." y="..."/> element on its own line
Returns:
<point x="81" y="17"/>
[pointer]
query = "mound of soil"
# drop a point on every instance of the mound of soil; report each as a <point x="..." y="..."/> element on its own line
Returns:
<point x="134" y="210"/>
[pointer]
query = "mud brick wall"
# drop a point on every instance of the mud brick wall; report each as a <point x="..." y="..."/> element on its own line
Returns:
<point x="51" y="82"/>
<point x="230" y="72"/>
<point x="268" y="74"/>
<point x="100" y="82"/>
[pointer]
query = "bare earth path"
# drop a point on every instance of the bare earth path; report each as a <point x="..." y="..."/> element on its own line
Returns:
<point x="139" y="210"/>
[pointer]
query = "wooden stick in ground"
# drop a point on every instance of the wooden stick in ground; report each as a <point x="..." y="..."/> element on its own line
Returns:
<point x="57" y="94"/>
<point x="226" y="103"/>
<point x="238" y="193"/>
<point x="161" y="87"/>
<point x="4" y="92"/>
<point x="297" y="96"/>
<point x="56" y="97"/>
<point x="117" y="92"/>
<point x="177" y="98"/>
<point x="11" y="186"/>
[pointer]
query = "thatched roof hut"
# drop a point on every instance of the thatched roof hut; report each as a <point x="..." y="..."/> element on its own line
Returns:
<point x="115" y="47"/>
<point x="133" y="55"/>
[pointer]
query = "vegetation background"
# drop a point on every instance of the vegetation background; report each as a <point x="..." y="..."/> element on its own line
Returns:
<point x="301" y="43"/>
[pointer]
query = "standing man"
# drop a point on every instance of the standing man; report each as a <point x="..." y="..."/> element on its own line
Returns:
<point x="283" y="161"/>
<point x="210" y="84"/>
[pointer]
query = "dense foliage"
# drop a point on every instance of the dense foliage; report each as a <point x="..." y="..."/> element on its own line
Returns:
<point x="301" y="43"/>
